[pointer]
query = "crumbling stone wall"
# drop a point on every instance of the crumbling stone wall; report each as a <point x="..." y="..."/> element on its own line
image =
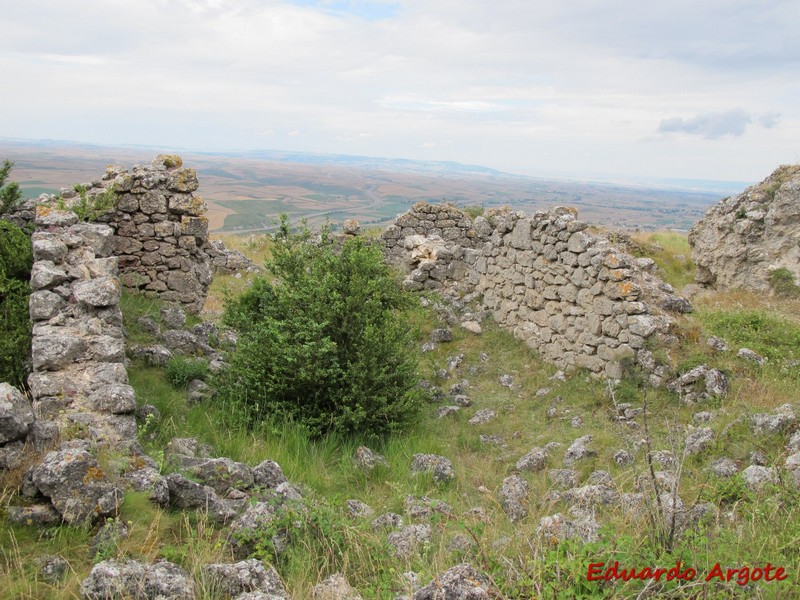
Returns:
<point x="160" y="233"/>
<point x="568" y="294"/>
<point x="742" y="238"/>
<point x="79" y="382"/>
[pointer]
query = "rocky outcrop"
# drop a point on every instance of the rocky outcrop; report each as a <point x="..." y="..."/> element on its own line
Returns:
<point x="741" y="239"/>
<point x="569" y="294"/>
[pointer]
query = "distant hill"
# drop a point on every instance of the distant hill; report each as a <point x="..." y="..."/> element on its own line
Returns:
<point x="248" y="190"/>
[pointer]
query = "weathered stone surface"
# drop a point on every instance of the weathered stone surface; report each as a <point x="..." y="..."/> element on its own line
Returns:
<point x="189" y="495"/>
<point x="535" y="460"/>
<point x="461" y="582"/>
<point x="741" y="238"/>
<point x="756" y="477"/>
<point x="16" y="414"/>
<point x="116" y="398"/>
<point x="367" y="459"/>
<point x="440" y="467"/>
<point x="268" y="474"/>
<point x="513" y="497"/>
<point x="98" y="292"/>
<point x="222" y="474"/>
<point x="558" y="527"/>
<point x="246" y="576"/>
<point x="118" y="580"/>
<point x="151" y="481"/>
<point x="51" y="352"/>
<point x="407" y="542"/>
<point x="579" y="449"/>
<point x="40" y="515"/>
<point x="335" y="587"/>
<point x="77" y="486"/>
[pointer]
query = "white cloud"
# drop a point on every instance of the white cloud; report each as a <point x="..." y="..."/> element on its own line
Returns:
<point x="517" y="85"/>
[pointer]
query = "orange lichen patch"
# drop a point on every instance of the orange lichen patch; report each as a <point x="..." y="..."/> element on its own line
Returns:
<point x="93" y="474"/>
<point x="43" y="211"/>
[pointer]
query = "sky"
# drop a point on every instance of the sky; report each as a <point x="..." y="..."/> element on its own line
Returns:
<point x="705" y="89"/>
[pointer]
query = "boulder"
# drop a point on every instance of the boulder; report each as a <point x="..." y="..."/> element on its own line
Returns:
<point x="16" y="414"/>
<point x="462" y="582"/>
<point x="513" y="497"/>
<point x="246" y="576"/>
<point x="133" y="580"/>
<point x="440" y="467"/>
<point x="76" y="485"/>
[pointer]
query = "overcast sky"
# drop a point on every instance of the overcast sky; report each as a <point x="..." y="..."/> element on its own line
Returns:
<point x="704" y="89"/>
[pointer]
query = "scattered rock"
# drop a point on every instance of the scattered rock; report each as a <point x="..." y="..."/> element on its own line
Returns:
<point x="335" y="587"/>
<point x="357" y="508"/>
<point x="507" y="381"/>
<point x="76" y="485"/>
<point x="535" y="460"/>
<point x="579" y="450"/>
<point x="771" y="424"/>
<point x="558" y="528"/>
<point x="461" y="582"/>
<point x="244" y="577"/>
<point x="446" y="411"/>
<point x="268" y="474"/>
<point x="622" y="457"/>
<point x="482" y="417"/>
<point x="52" y="568"/>
<point x="406" y="542"/>
<point x="751" y="356"/>
<point x="16" y="414"/>
<point x="563" y="478"/>
<point x="513" y="496"/>
<point x="472" y="327"/>
<point x="189" y="495"/>
<point x="439" y="336"/>
<point x="756" y="477"/>
<point x="387" y="521"/>
<point x="439" y="466"/>
<point x="724" y="467"/>
<point x="717" y="343"/>
<point x="114" y="580"/>
<point x="367" y="460"/>
<point x="698" y="440"/>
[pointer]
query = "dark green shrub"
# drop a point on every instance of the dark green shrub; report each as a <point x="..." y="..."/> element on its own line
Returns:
<point x="323" y="340"/>
<point x="15" y="328"/>
<point x="9" y="194"/>
<point x="182" y="370"/>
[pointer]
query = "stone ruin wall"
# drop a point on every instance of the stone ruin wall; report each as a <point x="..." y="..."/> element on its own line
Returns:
<point x="79" y="382"/>
<point x="570" y="295"/>
<point x="160" y="231"/>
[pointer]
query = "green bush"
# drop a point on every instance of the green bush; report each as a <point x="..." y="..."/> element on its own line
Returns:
<point x="182" y="370"/>
<point x="323" y="341"/>
<point x="89" y="207"/>
<point x="782" y="282"/>
<point x="9" y="194"/>
<point x="15" y="329"/>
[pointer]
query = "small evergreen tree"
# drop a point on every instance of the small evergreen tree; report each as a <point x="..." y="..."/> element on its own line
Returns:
<point x="10" y="193"/>
<point x="15" y="328"/>
<point x="322" y="340"/>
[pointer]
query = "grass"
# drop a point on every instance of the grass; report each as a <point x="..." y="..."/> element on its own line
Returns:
<point x="671" y="252"/>
<point x="749" y="529"/>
